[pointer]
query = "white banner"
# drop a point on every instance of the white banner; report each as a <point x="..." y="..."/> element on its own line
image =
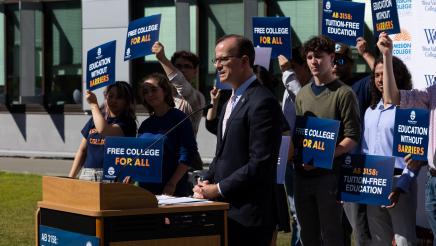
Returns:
<point x="416" y="46"/>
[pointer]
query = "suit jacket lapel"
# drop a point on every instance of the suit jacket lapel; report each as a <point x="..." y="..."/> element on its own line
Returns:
<point x="242" y="101"/>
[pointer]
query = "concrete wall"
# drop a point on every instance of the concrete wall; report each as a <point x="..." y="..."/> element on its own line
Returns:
<point x="58" y="135"/>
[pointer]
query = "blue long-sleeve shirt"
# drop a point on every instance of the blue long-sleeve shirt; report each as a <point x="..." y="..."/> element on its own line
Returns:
<point x="179" y="146"/>
<point x="378" y="137"/>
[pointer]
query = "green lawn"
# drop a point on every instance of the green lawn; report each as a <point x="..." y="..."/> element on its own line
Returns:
<point x="18" y="196"/>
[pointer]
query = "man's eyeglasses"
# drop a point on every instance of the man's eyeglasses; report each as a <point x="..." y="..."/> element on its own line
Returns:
<point x="184" y="66"/>
<point x="222" y="60"/>
<point x="339" y="61"/>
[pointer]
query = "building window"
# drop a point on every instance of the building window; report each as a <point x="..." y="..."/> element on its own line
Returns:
<point x="62" y="52"/>
<point x="12" y="32"/>
<point x="2" y="55"/>
<point x="216" y="19"/>
<point x="140" y="8"/>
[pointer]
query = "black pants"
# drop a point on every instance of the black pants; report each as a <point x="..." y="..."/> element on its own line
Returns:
<point x="242" y="235"/>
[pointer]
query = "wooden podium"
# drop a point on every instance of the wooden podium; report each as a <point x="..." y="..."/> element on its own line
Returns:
<point x="123" y="214"/>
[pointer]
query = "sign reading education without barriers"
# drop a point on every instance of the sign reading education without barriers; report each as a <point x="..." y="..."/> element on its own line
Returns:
<point x="141" y="35"/>
<point x="411" y="133"/>
<point x="385" y="17"/>
<point x="139" y="158"/>
<point x="100" y="67"/>
<point x="343" y="21"/>
<point x="315" y="140"/>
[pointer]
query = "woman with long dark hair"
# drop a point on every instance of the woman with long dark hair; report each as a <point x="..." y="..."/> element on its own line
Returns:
<point x="115" y="118"/>
<point x="396" y="221"/>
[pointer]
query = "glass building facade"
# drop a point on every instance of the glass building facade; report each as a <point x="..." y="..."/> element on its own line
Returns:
<point x="41" y="50"/>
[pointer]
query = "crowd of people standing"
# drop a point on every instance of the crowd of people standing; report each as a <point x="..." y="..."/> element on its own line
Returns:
<point x="249" y="122"/>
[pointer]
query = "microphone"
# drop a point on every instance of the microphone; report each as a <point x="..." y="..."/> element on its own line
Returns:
<point x="207" y="106"/>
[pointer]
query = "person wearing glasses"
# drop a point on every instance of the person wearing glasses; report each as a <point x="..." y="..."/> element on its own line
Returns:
<point x="243" y="172"/>
<point x="116" y="118"/>
<point x="182" y="72"/>
<point x="179" y="144"/>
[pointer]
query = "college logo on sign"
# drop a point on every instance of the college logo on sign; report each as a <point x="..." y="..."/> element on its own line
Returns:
<point x="430" y="79"/>
<point x="430" y="34"/>
<point x="402" y="44"/>
<point x="111" y="171"/>
<point x="347" y="162"/>
<point x="88" y="243"/>
<point x="128" y="52"/>
<point x="327" y="5"/>
<point x="429" y="6"/>
<point x="430" y="49"/>
<point x="98" y="53"/>
<point x="404" y="7"/>
<point x="412" y="117"/>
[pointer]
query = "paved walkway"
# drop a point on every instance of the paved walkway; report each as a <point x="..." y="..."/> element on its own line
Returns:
<point x="53" y="167"/>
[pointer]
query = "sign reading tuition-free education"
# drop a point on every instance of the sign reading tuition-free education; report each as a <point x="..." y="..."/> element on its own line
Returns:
<point x="274" y="32"/>
<point x="100" y="66"/>
<point x="385" y="17"/>
<point x="411" y="133"/>
<point x="141" y="35"/>
<point x="315" y="140"/>
<point x="139" y="158"/>
<point x="343" y="21"/>
<point x="49" y="236"/>
<point x="366" y="179"/>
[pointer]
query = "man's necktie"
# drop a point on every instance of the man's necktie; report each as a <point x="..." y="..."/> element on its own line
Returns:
<point x="228" y="112"/>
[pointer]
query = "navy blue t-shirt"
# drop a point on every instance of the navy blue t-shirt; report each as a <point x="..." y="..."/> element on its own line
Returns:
<point x="179" y="147"/>
<point x="95" y="141"/>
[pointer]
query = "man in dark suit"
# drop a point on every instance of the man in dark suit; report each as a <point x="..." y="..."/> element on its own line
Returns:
<point x="243" y="172"/>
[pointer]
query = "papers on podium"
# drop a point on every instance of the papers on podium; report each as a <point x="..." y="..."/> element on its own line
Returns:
<point x="164" y="200"/>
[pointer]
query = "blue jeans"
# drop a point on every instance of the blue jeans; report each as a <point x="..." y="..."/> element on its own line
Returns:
<point x="295" y="227"/>
<point x="430" y="203"/>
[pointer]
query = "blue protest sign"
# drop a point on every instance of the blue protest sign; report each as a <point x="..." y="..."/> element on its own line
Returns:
<point x="366" y="179"/>
<point x="141" y="35"/>
<point x="283" y="159"/>
<point x="274" y="32"/>
<point x="385" y="17"/>
<point x="100" y="66"/>
<point x="343" y="21"/>
<point x="139" y="158"/>
<point x="315" y="140"/>
<point x="52" y="236"/>
<point x="411" y="133"/>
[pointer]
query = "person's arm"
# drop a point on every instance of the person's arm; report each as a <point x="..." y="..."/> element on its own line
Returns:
<point x="289" y="78"/>
<point x="362" y="49"/>
<point x="391" y="94"/>
<point x="159" y="51"/>
<point x="79" y="159"/>
<point x="214" y="99"/>
<point x="170" y="187"/>
<point x="100" y="123"/>
<point x="350" y="120"/>
<point x="345" y="146"/>
<point x="183" y="87"/>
